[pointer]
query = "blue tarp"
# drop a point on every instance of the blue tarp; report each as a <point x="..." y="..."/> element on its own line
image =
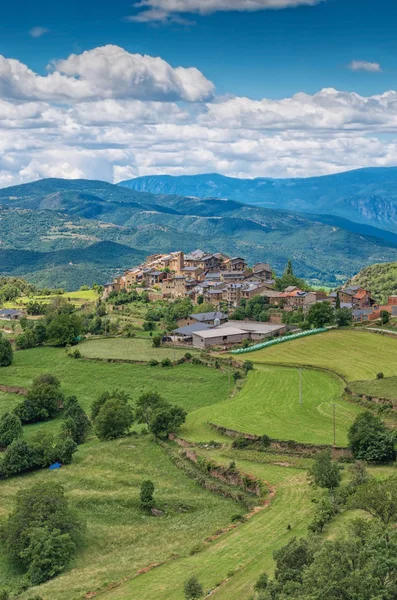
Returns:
<point x="55" y="466"/>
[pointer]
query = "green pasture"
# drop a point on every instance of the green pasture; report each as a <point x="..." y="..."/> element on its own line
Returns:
<point x="103" y="485"/>
<point x="380" y="388"/>
<point x="355" y="355"/>
<point x="137" y="348"/>
<point x="269" y="403"/>
<point x="190" y="386"/>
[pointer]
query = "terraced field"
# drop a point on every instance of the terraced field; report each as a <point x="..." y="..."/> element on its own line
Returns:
<point x="139" y="349"/>
<point x="380" y="388"/>
<point x="356" y="355"/>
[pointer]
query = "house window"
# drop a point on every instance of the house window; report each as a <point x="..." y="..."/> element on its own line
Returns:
<point x="224" y="338"/>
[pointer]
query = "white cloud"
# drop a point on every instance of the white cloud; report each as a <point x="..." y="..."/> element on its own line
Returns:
<point x="37" y="32"/>
<point x="170" y="10"/>
<point x="362" y="65"/>
<point x="116" y="119"/>
<point x="104" y="72"/>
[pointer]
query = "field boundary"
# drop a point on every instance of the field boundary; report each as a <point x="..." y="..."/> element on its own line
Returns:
<point x="280" y="340"/>
<point x="288" y="446"/>
<point x="10" y="389"/>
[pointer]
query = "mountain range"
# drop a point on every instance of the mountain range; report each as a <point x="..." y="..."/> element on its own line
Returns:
<point x="366" y="196"/>
<point x="66" y="233"/>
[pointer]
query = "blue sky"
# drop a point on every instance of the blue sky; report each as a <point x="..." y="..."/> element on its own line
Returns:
<point x="265" y="53"/>
<point x="113" y="90"/>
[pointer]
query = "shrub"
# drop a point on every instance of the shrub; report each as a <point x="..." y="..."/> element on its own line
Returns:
<point x="193" y="589"/>
<point x="6" y="353"/>
<point x="237" y="375"/>
<point x="153" y="363"/>
<point x="379" y="375"/>
<point x="325" y="473"/>
<point x="43" y="401"/>
<point x="76" y="423"/>
<point x="166" y="362"/>
<point x="265" y="441"/>
<point x="238" y="518"/>
<point x="261" y="583"/>
<point x="248" y="366"/>
<point x="156" y="341"/>
<point x="17" y="458"/>
<point x="240" y="442"/>
<point x="146" y="494"/>
<point x="10" y="429"/>
<point x="188" y="356"/>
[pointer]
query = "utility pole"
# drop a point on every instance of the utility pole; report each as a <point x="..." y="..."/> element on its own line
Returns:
<point x="300" y="387"/>
<point x="228" y="377"/>
<point x="333" y="414"/>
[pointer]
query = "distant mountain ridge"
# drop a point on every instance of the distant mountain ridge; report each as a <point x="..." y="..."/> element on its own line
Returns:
<point x="48" y="224"/>
<point x="366" y="196"/>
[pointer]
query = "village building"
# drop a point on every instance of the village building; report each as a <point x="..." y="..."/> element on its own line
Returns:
<point x="235" y="332"/>
<point x="11" y="314"/>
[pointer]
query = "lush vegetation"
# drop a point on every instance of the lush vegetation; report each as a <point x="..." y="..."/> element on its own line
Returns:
<point x="380" y="279"/>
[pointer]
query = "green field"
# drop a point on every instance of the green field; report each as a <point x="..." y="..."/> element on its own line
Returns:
<point x="381" y="388"/>
<point x="269" y="404"/>
<point x="190" y="386"/>
<point x="103" y="485"/>
<point x="78" y="298"/>
<point x="139" y="349"/>
<point x="356" y="355"/>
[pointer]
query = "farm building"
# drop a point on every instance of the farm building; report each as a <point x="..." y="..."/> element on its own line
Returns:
<point x="11" y="314"/>
<point x="185" y="334"/>
<point x="234" y="332"/>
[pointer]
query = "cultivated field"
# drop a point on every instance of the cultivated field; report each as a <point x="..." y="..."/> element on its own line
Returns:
<point x="381" y="388"/>
<point x="137" y="348"/>
<point x="356" y="355"/>
<point x="269" y="403"/>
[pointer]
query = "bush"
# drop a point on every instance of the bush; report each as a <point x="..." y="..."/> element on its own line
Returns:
<point x="379" y="375"/>
<point x="153" y="363"/>
<point x="76" y="423"/>
<point x="193" y="589"/>
<point x="156" y="341"/>
<point x="10" y="429"/>
<point x="114" y="419"/>
<point x="42" y="532"/>
<point x="188" y="356"/>
<point x="248" y="366"/>
<point x="240" y="443"/>
<point x="237" y="375"/>
<point x="17" y="458"/>
<point x="166" y="362"/>
<point x="160" y="416"/>
<point x="265" y="441"/>
<point x="325" y="473"/>
<point x="43" y="401"/>
<point x="146" y="494"/>
<point x="6" y="353"/>
<point x="370" y="440"/>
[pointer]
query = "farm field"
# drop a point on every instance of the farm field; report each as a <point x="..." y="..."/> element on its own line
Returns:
<point x="190" y="386"/>
<point x="381" y="388"/>
<point x="139" y="349"/>
<point x="355" y="355"/>
<point x="77" y="298"/>
<point x="268" y="403"/>
<point x="103" y="486"/>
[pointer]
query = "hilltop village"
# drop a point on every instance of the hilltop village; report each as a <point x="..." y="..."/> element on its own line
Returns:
<point x="227" y="283"/>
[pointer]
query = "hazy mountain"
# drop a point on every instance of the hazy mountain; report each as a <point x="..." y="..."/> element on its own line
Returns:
<point x="102" y="228"/>
<point x="364" y="195"/>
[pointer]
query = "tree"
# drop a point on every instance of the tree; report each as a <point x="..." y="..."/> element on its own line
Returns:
<point x="337" y="301"/>
<point x="42" y="533"/>
<point x="167" y="420"/>
<point x="289" y="271"/>
<point x="76" y="423"/>
<point x="193" y="588"/>
<point x="43" y="401"/>
<point x="10" y="429"/>
<point x="63" y="329"/>
<point x="146" y="495"/>
<point x="17" y="458"/>
<point x="384" y="317"/>
<point x="48" y="449"/>
<point x="156" y="341"/>
<point x="370" y="440"/>
<point x="320" y="314"/>
<point x="378" y="498"/>
<point x="102" y="398"/>
<point x="114" y="419"/>
<point x="343" y="317"/>
<point x="325" y="473"/>
<point x="6" y="353"/>
<point x="147" y="405"/>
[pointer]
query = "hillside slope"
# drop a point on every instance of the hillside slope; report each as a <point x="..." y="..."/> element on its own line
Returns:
<point x="56" y="217"/>
<point x="364" y="195"/>
<point x="380" y="279"/>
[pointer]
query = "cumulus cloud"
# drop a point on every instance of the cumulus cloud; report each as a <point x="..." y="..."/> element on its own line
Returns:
<point x="37" y="32"/>
<point x="104" y="72"/>
<point x="170" y="10"/>
<point x="88" y="118"/>
<point x="362" y="65"/>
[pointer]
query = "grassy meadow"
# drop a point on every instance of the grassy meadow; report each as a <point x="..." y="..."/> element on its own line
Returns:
<point x="355" y="355"/>
<point x="139" y="349"/>
<point x="268" y="403"/>
<point x="381" y="388"/>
